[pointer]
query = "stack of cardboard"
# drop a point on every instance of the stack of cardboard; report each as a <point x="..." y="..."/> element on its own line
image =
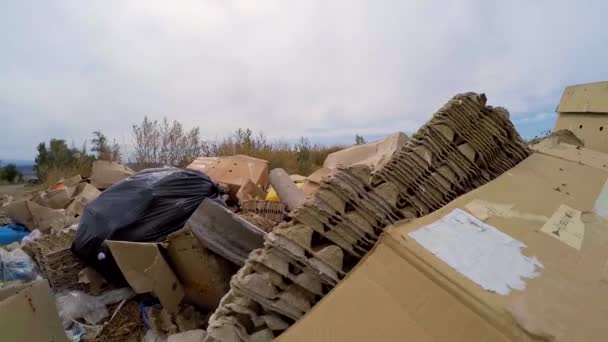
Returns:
<point x="55" y="259"/>
<point x="274" y="211"/>
<point x="465" y="145"/>
<point x="522" y="258"/>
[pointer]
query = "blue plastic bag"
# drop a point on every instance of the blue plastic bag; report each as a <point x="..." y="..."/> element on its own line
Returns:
<point x="12" y="233"/>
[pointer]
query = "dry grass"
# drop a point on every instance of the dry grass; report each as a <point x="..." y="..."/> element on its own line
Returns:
<point x="54" y="175"/>
<point x="301" y="158"/>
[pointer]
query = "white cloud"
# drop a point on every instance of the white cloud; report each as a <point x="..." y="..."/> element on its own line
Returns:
<point x="314" y="68"/>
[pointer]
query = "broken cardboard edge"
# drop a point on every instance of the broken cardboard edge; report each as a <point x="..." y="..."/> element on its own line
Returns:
<point x="156" y="276"/>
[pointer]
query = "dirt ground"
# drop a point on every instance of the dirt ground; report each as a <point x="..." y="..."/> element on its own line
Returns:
<point x="18" y="191"/>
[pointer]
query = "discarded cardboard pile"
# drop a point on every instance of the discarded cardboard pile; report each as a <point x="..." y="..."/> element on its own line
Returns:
<point x="522" y="258"/>
<point x="54" y="258"/>
<point x="465" y="145"/>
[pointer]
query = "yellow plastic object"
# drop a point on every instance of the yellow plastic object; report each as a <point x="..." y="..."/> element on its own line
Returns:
<point x="272" y="195"/>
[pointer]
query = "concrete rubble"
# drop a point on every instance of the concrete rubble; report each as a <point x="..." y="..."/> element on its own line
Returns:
<point x="465" y="144"/>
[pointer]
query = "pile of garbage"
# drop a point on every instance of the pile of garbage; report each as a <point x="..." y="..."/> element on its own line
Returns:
<point x="226" y="249"/>
<point x="466" y="144"/>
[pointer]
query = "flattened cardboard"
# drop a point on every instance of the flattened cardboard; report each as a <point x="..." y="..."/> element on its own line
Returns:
<point x="401" y="291"/>
<point x="106" y="173"/>
<point x="146" y="270"/>
<point x="581" y="155"/>
<point x="249" y="191"/>
<point x="204" y="274"/>
<point x="591" y="128"/>
<point x="583" y="109"/>
<point x="374" y="154"/>
<point x="233" y="170"/>
<point x="585" y="98"/>
<point x="84" y="194"/>
<point x="28" y="313"/>
<point x="35" y="216"/>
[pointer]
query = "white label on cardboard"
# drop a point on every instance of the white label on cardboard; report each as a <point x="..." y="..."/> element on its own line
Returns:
<point x="566" y="226"/>
<point x="482" y="253"/>
<point x="601" y="203"/>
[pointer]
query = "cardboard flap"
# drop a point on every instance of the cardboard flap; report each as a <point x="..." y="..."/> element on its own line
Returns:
<point x="146" y="270"/>
<point x="28" y="313"/>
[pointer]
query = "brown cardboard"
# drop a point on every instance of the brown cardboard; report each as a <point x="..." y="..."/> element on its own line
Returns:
<point x="585" y="98"/>
<point x="146" y="270"/>
<point x="204" y="275"/>
<point x="374" y="154"/>
<point x="28" y="313"/>
<point x="249" y="191"/>
<point x="72" y="181"/>
<point x="233" y="170"/>
<point x="105" y="173"/>
<point x="83" y="194"/>
<point x="591" y="128"/>
<point x="577" y="154"/>
<point x="35" y="216"/>
<point x="402" y="292"/>
<point x="583" y="109"/>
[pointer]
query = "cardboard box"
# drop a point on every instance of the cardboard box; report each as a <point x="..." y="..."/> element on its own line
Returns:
<point x="28" y="313"/>
<point x="480" y="279"/>
<point x="35" y="216"/>
<point x="233" y="171"/>
<point x="205" y="275"/>
<point x="583" y="109"/>
<point x="146" y="270"/>
<point x="374" y="154"/>
<point x="106" y="173"/>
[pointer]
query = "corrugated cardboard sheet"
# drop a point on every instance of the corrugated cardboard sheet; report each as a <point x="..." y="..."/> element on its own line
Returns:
<point x="403" y="292"/>
<point x="28" y="313"/>
<point x="585" y="98"/>
<point x="583" y="109"/>
<point x="146" y="270"/>
<point x="233" y="170"/>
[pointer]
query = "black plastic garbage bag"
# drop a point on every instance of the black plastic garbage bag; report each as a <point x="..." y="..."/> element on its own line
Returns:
<point x="145" y="207"/>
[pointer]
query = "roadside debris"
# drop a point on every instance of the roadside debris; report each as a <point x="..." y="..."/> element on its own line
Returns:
<point x="286" y="189"/>
<point x="234" y="171"/>
<point x="224" y="232"/>
<point x="235" y="249"/>
<point x="153" y="203"/>
<point x="340" y="222"/>
<point x="107" y="173"/>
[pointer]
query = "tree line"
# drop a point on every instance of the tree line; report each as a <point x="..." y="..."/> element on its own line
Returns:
<point x="158" y="143"/>
<point x="10" y="173"/>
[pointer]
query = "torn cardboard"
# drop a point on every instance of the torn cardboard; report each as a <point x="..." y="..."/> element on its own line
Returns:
<point x="233" y="170"/>
<point x="83" y="194"/>
<point x="28" y="313"/>
<point x="583" y="109"/>
<point x="412" y="294"/>
<point x="71" y="181"/>
<point x="106" y="173"/>
<point x="145" y="269"/>
<point x="204" y="275"/>
<point x="35" y="216"/>
<point x="224" y="232"/>
<point x="374" y="154"/>
<point x="249" y="191"/>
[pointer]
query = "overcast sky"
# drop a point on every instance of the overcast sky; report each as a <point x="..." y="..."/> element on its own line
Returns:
<point x="322" y="69"/>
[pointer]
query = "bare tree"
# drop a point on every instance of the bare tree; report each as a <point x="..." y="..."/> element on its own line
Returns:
<point x="165" y="143"/>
